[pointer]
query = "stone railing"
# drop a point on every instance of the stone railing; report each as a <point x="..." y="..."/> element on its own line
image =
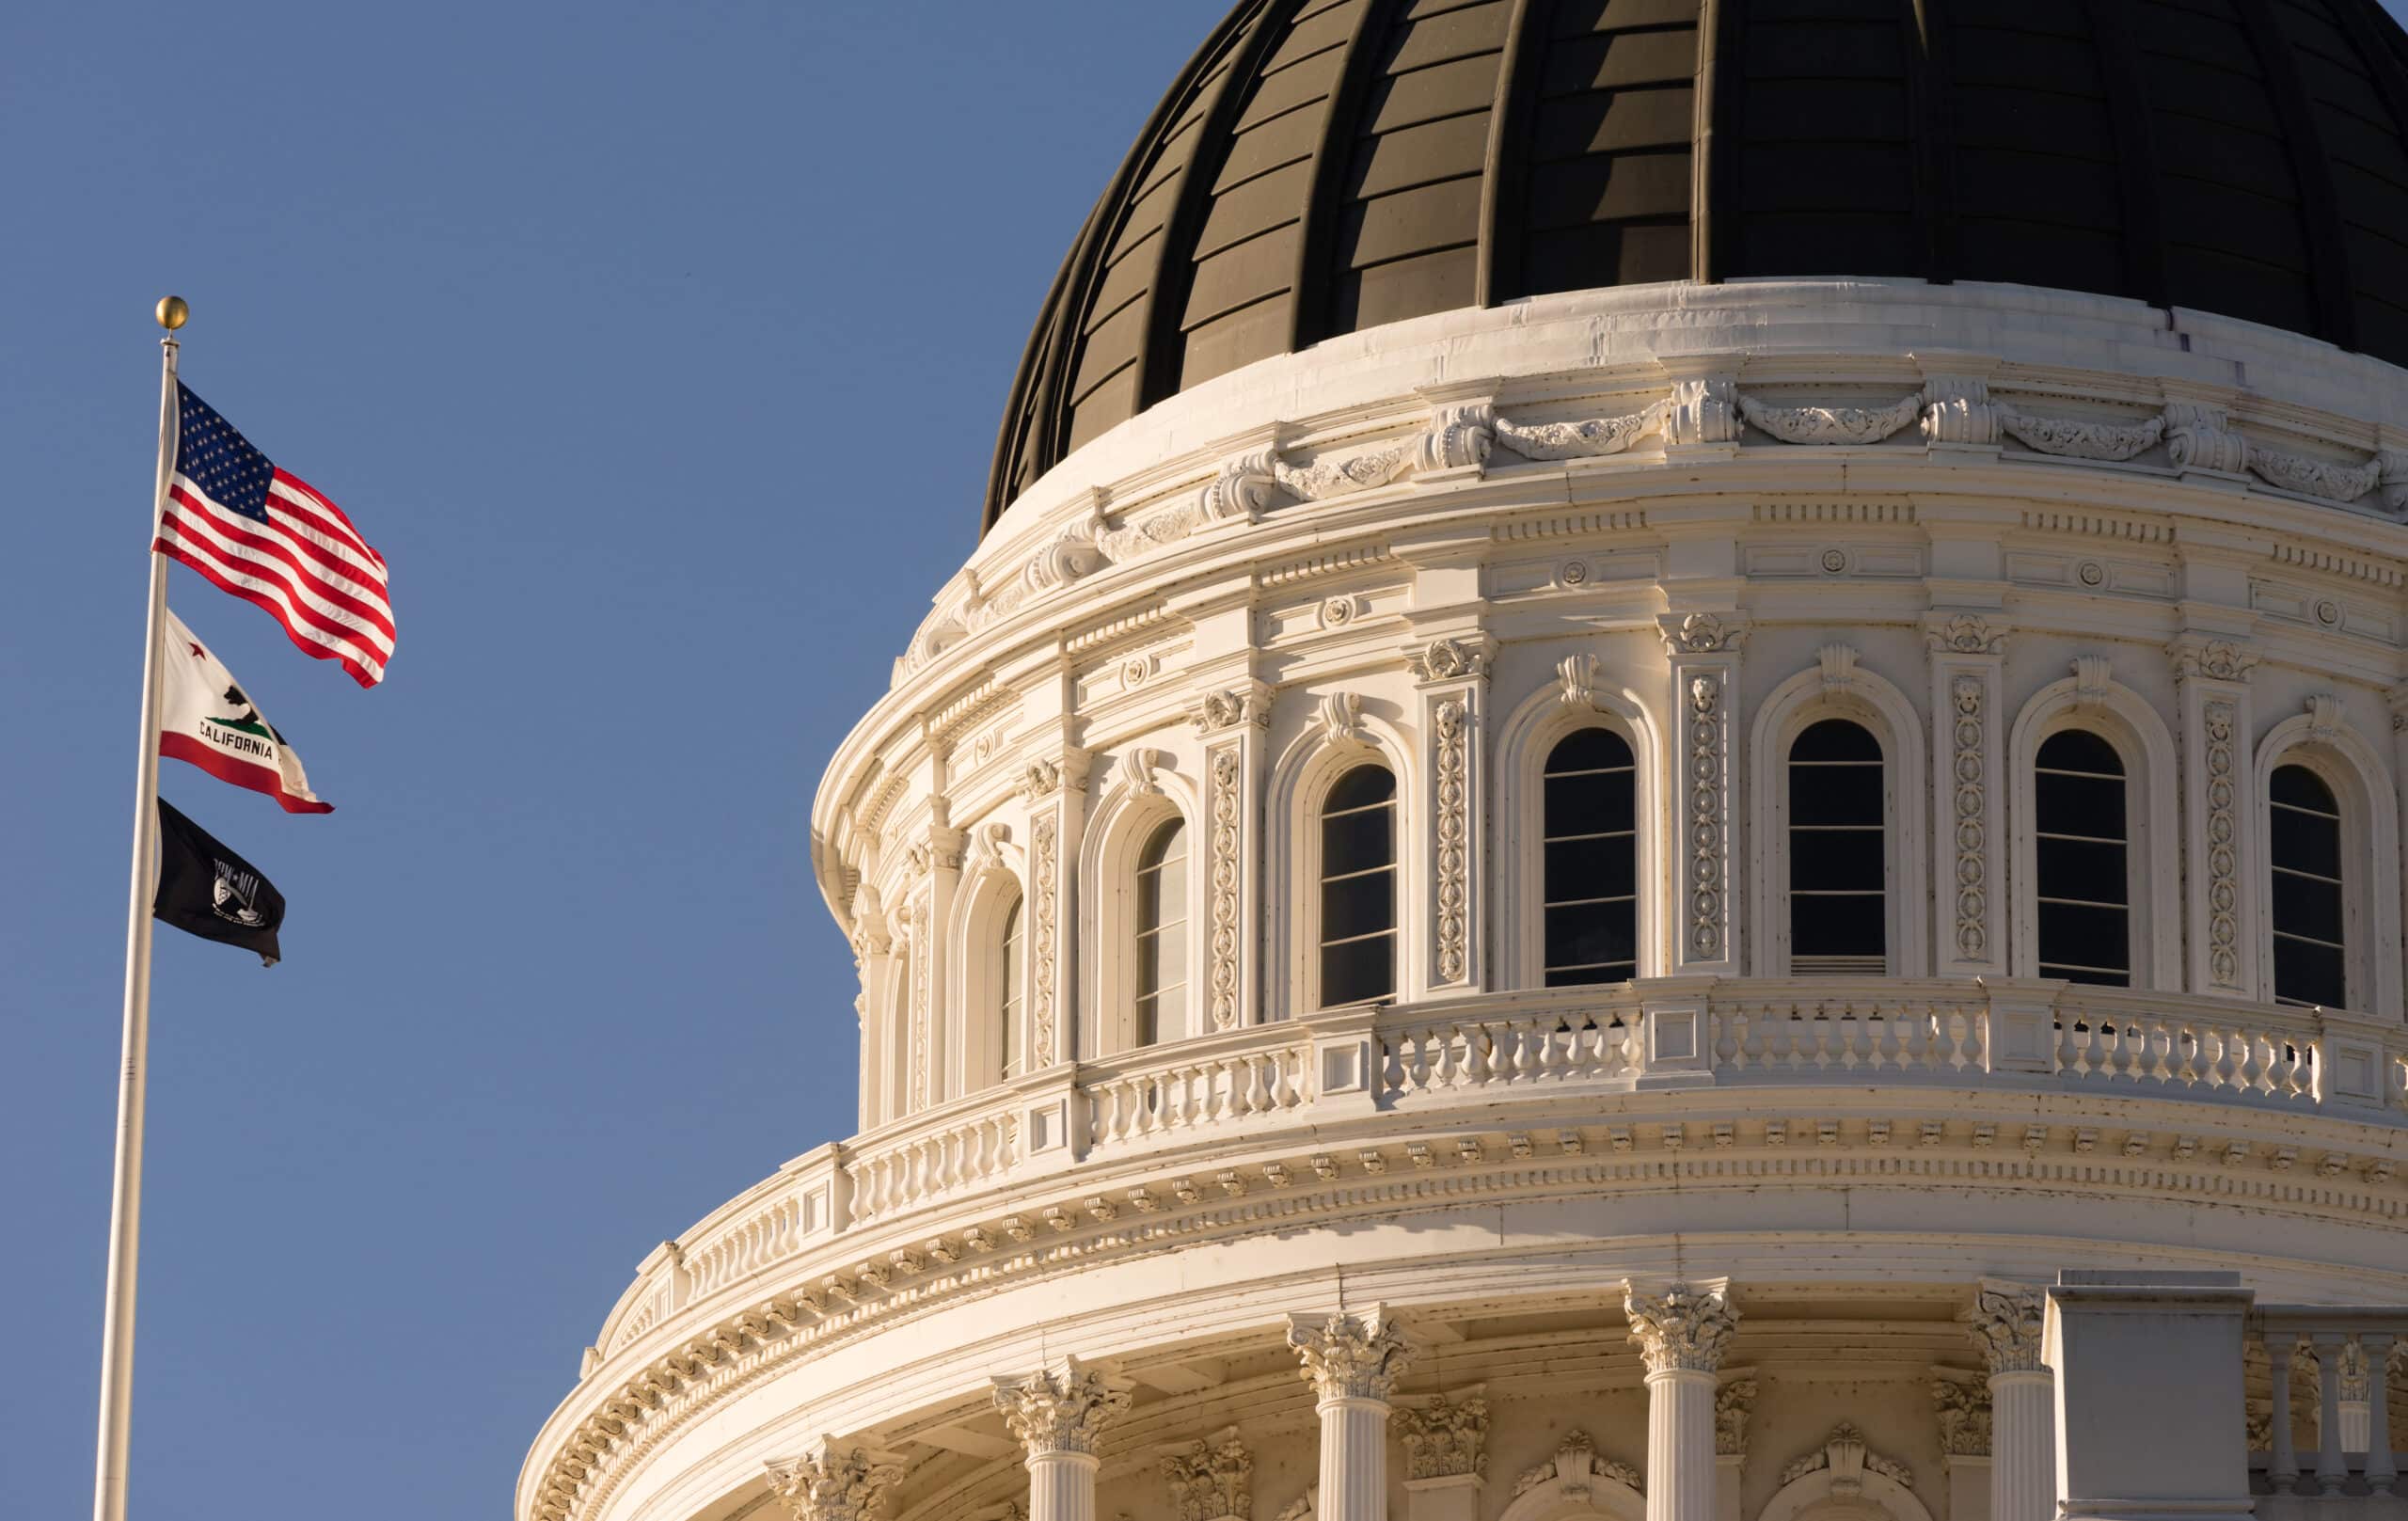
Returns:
<point x="2335" y="1441"/>
<point x="1265" y="1082"/>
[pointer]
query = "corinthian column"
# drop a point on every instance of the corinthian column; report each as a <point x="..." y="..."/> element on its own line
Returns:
<point x="1057" y="1413"/>
<point x="835" y="1482"/>
<point x="2005" y="1322"/>
<point x="1681" y="1333"/>
<point x="1352" y="1363"/>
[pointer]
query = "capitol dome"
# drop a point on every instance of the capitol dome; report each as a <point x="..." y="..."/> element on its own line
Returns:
<point x="1669" y="789"/>
<point x="1323" y="166"/>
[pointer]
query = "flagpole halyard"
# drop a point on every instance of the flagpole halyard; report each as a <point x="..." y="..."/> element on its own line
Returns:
<point x="125" y="1201"/>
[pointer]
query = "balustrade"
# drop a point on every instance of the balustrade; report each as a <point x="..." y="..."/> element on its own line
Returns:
<point x="2348" y="1355"/>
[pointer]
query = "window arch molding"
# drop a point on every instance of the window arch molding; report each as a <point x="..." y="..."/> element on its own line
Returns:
<point x="2152" y="855"/>
<point x="989" y="889"/>
<point x="1301" y="778"/>
<point x="1123" y="819"/>
<point x="1529" y="733"/>
<point x="1837" y="687"/>
<point x="2322" y="740"/>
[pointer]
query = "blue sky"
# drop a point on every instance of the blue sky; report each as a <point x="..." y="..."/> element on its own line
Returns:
<point x="660" y="350"/>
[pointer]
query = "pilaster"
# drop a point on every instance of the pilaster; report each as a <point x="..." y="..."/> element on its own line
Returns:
<point x="1058" y="1415"/>
<point x="1445" y="1456"/>
<point x="874" y="962"/>
<point x="1233" y="724"/>
<point x="1968" y="805"/>
<point x="1450" y="675"/>
<point x="2005" y="1322"/>
<point x="1210" y="1479"/>
<point x="1682" y="1331"/>
<point x="1735" y="1401"/>
<point x="1352" y="1363"/>
<point x="1054" y="789"/>
<point x="2220" y="886"/>
<point x="1703" y="650"/>
<point x="936" y="873"/>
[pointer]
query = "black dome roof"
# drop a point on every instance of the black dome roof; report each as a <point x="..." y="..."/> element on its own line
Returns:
<point x="1326" y="165"/>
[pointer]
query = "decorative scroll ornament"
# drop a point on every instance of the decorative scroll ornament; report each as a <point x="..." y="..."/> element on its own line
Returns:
<point x="986" y="850"/>
<point x="2218" y="660"/>
<point x="1965" y="695"/>
<point x="1685" y="1328"/>
<point x="1838" y="663"/>
<point x="1703" y="411"/>
<point x="2315" y="477"/>
<point x="1586" y="439"/>
<point x="1062" y="1408"/>
<point x="1042" y="781"/>
<point x="1850" y="1460"/>
<point x="1577" y="678"/>
<point x="1448" y="660"/>
<point x="1351" y="1357"/>
<point x="2075" y="438"/>
<point x="2324" y="718"/>
<point x="838" y="1481"/>
<point x="1241" y="488"/>
<point x="1965" y="634"/>
<point x="2093" y="675"/>
<point x="1701" y="633"/>
<point x="2200" y="437"/>
<point x="1573" y="1467"/>
<point x="1211" y="1481"/>
<point x="1339" y="716"/>
<point x="1830" y="424"/>
<point x="1959" y="410"/>
<point x="1140" y="766"/>
<point x="1222" y="711"/>
<point x="1705" y="834"/>
<point x="1458" y="437"/>
<point x="1732" y="1404"/>
<point x="1044" y="852"/>
<point x="2223" y="834"/>
<point x="2005" y="1322"/>
<point x="1963" y="1408"/>
<point x="1454" y="886"/>
<point x="1445" y="1438"/>
<point x="1226" y="769"/>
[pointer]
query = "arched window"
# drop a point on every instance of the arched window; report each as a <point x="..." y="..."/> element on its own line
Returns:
<point x="1162" y="928"/>
<point x="1015" y="955"/>
<point x="1590" y="845"/>
<point x="1838" y="859"/>
<point x="2305" y="839"/>
<point x="2080" y="843"/>
<point x="1358" y="887"/>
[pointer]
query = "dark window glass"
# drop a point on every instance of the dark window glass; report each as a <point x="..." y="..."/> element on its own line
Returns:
<point x="1358" y="887"/>
<point x="1162" y="927"/>
<point x="1838" y="851"/>
<point x="2304" y="833"/>
<point x="1589" y="843"/>
<point x="2081" y="855"/>
<point x="1015" y="952"/>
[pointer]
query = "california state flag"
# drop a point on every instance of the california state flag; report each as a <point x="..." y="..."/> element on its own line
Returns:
<point x="206" y="718"/>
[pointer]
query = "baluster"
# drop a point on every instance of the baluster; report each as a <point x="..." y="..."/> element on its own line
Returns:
<point x="1392" y="1061"/>
<point x="1475" y="1068"/>
<point x="2382" y="1474"/>
<point x="2069" y="1053"/>
<point x="2332" y="1464"/>
<point x="2282" y="1468"/>
<point x="1258" y="1098"/>
<point x="2186" y="1053"/>
<point x="1524" y="1034"/>
<point x="1423" y="1040"/>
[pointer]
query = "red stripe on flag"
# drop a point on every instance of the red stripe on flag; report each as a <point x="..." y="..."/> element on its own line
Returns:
<point x="243" y="773"/>
<point x="364" y="667"/>
<point x="339" y="521"/>
<point x="232" y="528"/>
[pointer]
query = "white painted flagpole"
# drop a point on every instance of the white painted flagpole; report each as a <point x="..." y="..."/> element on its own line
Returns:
<point x="125" y="1198"/>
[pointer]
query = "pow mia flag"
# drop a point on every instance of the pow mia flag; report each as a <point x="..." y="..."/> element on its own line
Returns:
<point x="209" y="890"/>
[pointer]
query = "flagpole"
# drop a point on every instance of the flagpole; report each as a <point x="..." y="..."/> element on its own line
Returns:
<point x="125" y="1198"/>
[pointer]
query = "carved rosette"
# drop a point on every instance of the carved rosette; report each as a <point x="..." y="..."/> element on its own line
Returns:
<point x="1445" y="1438"/>
<point x="1732" y="1404"/>
<point x="1227" y="768"/>
<point x="1350" y="1356"/>
<point x="1044" y="853"/>
<point x="2005" y="1323"/>
<point x="1213" y="1479"/>
<point x="1454" y="874"/>
<point x="1685" y="1329"/>
<point x="1972" y="831"/>
<point x="2223" y="834"/>
<point x="1061" y="1409"/>
<point x="1962" y="1407"/>
<point x="844" y="1482"/>
<point x="1706" y="833"/>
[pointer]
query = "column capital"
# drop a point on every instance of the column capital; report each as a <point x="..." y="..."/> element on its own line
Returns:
<point x="1684" y="1327"/>
<point x="1732" y="1404"/>
<point x="1351" y="1357"/>
<point x="1964" y="1410"/>
<point x="1211" y="1478"/>
<point x="1062" y="1408"/>
<point x="835" y="1480"/>
<point x="1446" y="1437"/>
<point x="2005" y="1323"/>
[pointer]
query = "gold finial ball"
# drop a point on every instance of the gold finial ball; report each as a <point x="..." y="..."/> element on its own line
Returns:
<point x="173" y="312"/>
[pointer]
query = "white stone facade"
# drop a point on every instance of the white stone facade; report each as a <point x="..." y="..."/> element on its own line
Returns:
<point x="1726" y="1241"/>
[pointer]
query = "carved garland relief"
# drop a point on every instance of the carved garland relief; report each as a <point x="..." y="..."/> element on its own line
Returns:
<point x="1044" y="851"/>
<point x="1705" y="835"/>
<point x="1972" y="865"/>
<point x="1227" y="770"/>
<point x="2224" y="829"/>
<point x="922" y="941"/>
<point x="1454" y="887"/>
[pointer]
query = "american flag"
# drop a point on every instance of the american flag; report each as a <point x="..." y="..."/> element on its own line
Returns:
<point x="266" y="536"/>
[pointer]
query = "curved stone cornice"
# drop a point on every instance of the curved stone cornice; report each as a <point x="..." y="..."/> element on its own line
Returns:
<point x="1351" y="1357"/>
<point x="1062" y="1408"/>
<point x="1685" y="1327"/>
<point x="2005" y="1322"/>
